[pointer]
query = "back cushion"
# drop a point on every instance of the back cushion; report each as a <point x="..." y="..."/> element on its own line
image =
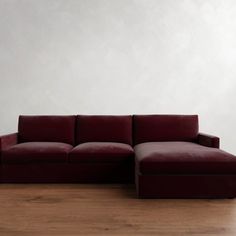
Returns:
<point x="93" y="128"/>
<point x="151" y="128"/>
<point x="47" y="129"/>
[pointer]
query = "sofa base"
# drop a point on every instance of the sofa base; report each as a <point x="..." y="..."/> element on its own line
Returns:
<point x="68" y="173"/>
<point x="186" y="186"/>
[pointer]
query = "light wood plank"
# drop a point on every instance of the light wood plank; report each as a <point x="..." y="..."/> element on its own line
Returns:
<point x="56" y="209"/>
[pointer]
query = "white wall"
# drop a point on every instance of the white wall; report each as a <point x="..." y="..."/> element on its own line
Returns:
<point x="120" y="57"/>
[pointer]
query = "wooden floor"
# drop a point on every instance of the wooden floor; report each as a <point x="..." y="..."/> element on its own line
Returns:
<point x="107" y="210"/>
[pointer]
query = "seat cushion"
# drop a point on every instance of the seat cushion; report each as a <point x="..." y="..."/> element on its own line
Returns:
<point x="156" y="128"/>
<point x="101" y="152"/>
<point x="34" y="152"/>
<point x="107" y="128"/>
<point x="47" y="129"/>
<point x="182" y="158"/>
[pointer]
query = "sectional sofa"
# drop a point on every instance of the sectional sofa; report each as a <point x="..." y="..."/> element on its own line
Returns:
<point x="165" y="155"/>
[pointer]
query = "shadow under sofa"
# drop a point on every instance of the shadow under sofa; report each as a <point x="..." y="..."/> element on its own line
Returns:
<point x="165" y="155"/>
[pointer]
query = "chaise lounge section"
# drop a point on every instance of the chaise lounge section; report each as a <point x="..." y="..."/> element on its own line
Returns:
<point x="173" y="160"/>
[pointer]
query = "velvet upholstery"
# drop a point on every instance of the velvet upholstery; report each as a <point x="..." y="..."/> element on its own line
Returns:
<point x="182" y="158"/>
<point x="107" y="128"/>
<point x="36" y="152"/>
<point x="186" y="186"/>
<point x="114" y="172"/>
<point x="47" y="129"/>
<point x="156" y="128"/>
<point x="99" y="152"/>
<point x="208" y="140"/>
<point x="40" y="172"/>
<point x="8" y="140"/>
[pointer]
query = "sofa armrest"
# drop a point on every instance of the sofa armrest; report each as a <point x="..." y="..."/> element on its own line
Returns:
<point x="208" y="140"/>
<point x="8" y="140"/>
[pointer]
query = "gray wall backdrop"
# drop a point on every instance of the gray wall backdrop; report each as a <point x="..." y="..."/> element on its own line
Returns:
<point x="120" y="57"/>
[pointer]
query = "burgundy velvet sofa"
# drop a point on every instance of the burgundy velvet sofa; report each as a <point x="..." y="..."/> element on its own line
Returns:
<point x="164" y="155"/>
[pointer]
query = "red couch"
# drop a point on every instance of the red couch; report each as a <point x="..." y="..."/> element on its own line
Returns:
<point x="165" y="155"/>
